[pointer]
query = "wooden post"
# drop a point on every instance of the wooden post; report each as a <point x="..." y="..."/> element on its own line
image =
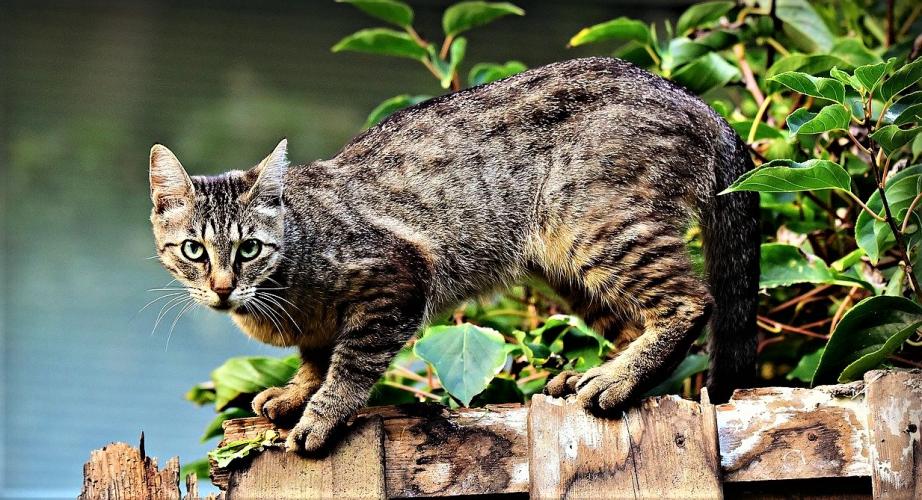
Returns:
<point x="665" y="448"/>
<point x="894" y="402"/>
<point x="353" y="469"/>
<point x="120" y="471"/>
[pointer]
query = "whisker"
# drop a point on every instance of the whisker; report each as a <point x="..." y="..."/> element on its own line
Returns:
<point x="182" y="311"/>
<point x="172" y="289"/>
<point x="271" y="298"/>
<point x="265" y="313"/>
<point x="155" y="300"/>
<point x="165" y="310"/>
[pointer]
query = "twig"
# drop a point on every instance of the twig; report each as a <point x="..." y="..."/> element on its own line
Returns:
<point x="912" y="206"/>
<point x="418" y="392"/>
<point x="799" y="299"/>
<point x="446" y="45"/>
<point x="864" y="207"/>
<point x="739" y="50"/>
<point x="907" y="24"/>
<point x="533" y="376"/>
<point x="789" y="328"/>
<point x="891" y="29"/>
<point x="841" y="309"/>
<point x="904" y="360"/>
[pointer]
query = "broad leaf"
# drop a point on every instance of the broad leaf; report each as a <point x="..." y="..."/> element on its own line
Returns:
<point x="787" y="175"/>
<point x="201" y="468"/>
<point x="875" y="237"/>
<point x="382" y="41"/>
<point x="706" y="73"/>
<point x="905" y="77"/>
<point x="489" y="72"/>
<point x="826" y="88"/>
<point x="865" y="330"/>
<point x="465" y="357"/>
<point x="681" y="51"/>
<point x="391" y="105"/>
<point x="463" y="16"/>
<point x="805" y="27"/>
<point x="809" y="64"/>
<point x="249" y="375"/>
<point x="691" y="365"/>
<point x="622" y="28"/>
<point x="806" y="367"/>
<point x="909" y="114"/>
<point x="242" y="447"/>
<point x="871" y="75"/>
<point x="854" y="52"/>
<point x="391" y="11"/>
<point x="832" y="117"/>
<point x="785" y="265"/>
<point x="455" y="55"/>
<point x="702" y="14"/>
<point x="891" y="138"/>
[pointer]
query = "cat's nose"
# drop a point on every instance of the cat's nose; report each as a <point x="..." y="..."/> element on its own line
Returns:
<point x="223" y="292"/>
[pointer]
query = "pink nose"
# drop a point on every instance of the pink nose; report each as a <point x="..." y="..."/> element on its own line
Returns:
<point x="223" y="292"/>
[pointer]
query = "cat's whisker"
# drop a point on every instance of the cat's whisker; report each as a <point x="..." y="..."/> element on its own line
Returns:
<point x="155" y="300"/>
<point x="163" y="311"/>
<point x="171" y="289"/>
<point x="265" y="313"/>
<point x="182" y="311"/>
<point x="271" y="299"/>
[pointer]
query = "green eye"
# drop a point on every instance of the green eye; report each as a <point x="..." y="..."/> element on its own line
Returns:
<point x="193" y="251"/>
<point x="249" y="249"/>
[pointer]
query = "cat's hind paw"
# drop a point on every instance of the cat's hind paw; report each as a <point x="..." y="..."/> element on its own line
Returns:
<point x="602" y="391"/>
<point x="563" y="384"/>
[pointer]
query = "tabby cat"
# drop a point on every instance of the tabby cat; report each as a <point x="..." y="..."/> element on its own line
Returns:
<point x="586" y="173"/>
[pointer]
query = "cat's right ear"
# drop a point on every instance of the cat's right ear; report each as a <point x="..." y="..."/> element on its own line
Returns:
<point x="170" y="185"/>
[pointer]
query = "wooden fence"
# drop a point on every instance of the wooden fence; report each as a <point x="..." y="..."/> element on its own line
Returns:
<point x="859" y="440"/>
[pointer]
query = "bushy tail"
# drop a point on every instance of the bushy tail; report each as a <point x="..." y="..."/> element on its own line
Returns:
<point x="731" y="249"/>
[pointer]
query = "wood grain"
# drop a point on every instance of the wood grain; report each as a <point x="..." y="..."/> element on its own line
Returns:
<point x="790" y="433"/>
<point x="353" y="469"/>
<point x="655" y="450"/>
<point x="894" y="401"/>
<point x="120" y="471"/>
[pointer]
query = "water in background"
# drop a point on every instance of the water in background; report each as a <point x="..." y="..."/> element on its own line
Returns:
<point x="86" y="89"/>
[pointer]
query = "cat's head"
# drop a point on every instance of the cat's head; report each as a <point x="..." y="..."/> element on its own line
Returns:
<point x="220" y="236"/>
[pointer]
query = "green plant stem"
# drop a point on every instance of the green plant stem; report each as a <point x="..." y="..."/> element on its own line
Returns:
<point x="897" y="234"/>
<point x="912" y="206"/>
<point x="758" y="119"/>
<point x="445" y="46"/>
<point x="652" y="53"/>
<point x="415" y="36"/>
<point x="864" y="207"/>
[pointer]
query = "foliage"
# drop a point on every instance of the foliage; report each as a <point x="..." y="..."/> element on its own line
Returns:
<point x="829" y="101"/>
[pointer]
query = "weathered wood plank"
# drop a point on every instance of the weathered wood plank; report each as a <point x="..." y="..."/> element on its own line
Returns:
<point x="655" y="450"/>
<point x="789" y="433"/>
<point x="894" y="401"/>
<point x="353" y="469"/>
<point x="120" y="471"/>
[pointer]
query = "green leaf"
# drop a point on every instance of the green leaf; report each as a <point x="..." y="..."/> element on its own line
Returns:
<point x="201" y="468"/>
<point x="202" y="394"/>
<point x="891" y="138"/>
<point x="489" y="72"/>
<point x="854" y="52"/>
<point x="702" y="14"/>
<point x="382" y="41"/>
<point x="214" y="428"/>
<point x="875" y="237"/>
<point x="785" y="265"/>
<point x="706" y="73"/>
<point x="465" y="357"/>
<point x="848" y="260"/>
<point x="391" y="105"/>
<point x="500" y="390"/>
<point x="691" y="365"/>
<point x="242" y="447"/>
<point x="463" y="16"/>
<point x="806" y="367"/>
<point x="905" y="77"/>
<point x="788" y="175"/>
<point x="809" y="64"/>
<point x="910" y="114"/>
<point x="805" y="27"/>
<point x="249" y="375"/>
<point x="391" y="11"/>
<point x="871" y="75"/>
<point x="832" y="117"/>
<point x="456" y="55"/>
<point x="826" y="88"/>
<point x="622" y="28"/>
<point x="866" y="330"/>
<point x="763" y="130"/>
<point x="681" y="51"/>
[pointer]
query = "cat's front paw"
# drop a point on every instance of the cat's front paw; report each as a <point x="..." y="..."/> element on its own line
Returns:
<point x="282" y="404"/>
<point x="603" y="390"/>
<point x="312" y="433"/>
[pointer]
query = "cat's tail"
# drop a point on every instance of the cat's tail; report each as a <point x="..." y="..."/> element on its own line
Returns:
<point x="731" y="249"/>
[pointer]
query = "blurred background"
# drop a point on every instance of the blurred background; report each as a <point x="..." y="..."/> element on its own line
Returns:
<point x="86" y="88"/>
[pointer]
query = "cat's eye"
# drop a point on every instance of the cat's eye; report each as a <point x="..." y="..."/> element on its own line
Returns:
<point x="194" y="251"/>
<point x="249" y="249"/>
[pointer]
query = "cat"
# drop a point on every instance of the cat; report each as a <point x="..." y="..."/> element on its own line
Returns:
<point x="586" y="173"/>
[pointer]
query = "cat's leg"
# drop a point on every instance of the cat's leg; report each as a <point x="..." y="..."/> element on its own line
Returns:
<point x="361" y="355"/>
<point x="284" y="405"/>
<point x="643" y="268"/>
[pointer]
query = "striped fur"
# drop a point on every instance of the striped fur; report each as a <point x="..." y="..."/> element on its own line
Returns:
<point x="585" y="172"/>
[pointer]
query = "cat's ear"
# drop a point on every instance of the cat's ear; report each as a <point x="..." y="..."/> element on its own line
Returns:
<point x="170" y="185"/>
<point x="270" y="175"/>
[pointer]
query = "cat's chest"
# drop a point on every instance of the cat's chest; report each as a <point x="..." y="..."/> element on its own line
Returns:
<point x="282" y="334"/>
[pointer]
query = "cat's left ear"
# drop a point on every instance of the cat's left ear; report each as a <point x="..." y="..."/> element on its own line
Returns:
<point x="270" y="175"/>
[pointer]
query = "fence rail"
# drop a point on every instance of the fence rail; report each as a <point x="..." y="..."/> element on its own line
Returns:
<point x="858" y="440"/>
